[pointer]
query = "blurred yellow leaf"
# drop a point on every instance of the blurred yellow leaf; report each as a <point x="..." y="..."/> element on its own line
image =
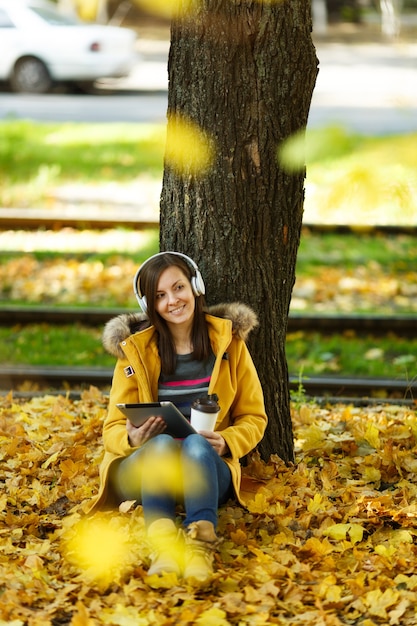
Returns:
<point x="99" y="548"/>
<point x="188" y="148"/>
<point x="166" y="8"/>
<point x="317" y="144"/>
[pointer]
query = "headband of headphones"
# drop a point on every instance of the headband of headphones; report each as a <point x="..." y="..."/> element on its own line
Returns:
<point x="197" y="283"/>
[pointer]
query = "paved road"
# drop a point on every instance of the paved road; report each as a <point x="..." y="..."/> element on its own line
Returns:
<point x="369" y="88"/>
<point x="121" y="107"/>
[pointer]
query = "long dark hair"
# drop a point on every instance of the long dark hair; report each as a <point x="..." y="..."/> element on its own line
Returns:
<point x="149" y="280"/>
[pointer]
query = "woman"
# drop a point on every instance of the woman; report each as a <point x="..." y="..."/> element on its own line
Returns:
<point x="176" y="351"/>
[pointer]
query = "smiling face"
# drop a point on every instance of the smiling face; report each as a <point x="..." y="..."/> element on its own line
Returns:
<point x="175" y="300"/>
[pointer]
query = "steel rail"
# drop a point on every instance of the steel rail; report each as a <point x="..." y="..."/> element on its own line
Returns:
<point x="401" y="325"/>
<point x="336" y="387"/>
<point x="99" y="216"/>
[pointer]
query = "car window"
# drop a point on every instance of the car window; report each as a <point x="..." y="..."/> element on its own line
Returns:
<point x="5" y="21"/>
<point x="53" y="18"/>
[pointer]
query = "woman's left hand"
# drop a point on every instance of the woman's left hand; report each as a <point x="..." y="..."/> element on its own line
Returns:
<point x="215" y="440"/>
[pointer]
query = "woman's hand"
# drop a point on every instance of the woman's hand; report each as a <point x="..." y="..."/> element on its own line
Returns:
<point x="138" y="435"/>
<point x="216" y="441"/>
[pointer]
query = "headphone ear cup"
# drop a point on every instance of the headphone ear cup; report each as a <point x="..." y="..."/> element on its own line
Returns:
<point x="197" y="284"/>
<point x="143" y="303"/>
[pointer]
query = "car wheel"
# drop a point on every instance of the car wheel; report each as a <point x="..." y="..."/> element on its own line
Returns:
<point x="30" y="75"/>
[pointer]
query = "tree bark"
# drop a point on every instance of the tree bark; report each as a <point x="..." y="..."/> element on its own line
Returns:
<point x="319" y="9"/>
<point x="391" y="17"/>
<point x="244" y="72"/>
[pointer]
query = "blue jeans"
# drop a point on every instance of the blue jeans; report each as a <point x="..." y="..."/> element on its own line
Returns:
<point x="165" y="472"/>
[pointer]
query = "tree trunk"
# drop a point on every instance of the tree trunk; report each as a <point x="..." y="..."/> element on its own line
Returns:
<point x="391" y="17"/>
<point x="68" y="7"/>
<point x="244" y="72"/>
<point x="319" y="9"/>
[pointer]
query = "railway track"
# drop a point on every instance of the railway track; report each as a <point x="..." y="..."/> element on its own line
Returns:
<point x="323" y="388"/>
<point x="97" y="218"/>
<point x="401" y="325"/>
<point x="100" y="216"/>
<point x="341" y="389"/>
<point x="60" y="379"/>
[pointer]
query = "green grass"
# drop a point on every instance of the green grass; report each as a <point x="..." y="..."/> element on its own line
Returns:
<point x="351" y="354"/>
<point x="393" y="253"/>
<point x="41" y="344"/>
<point x="309" y="353"/>
<point x="348" y="175"/>
<point x="34" y="157"/>
<point x="361" y="180"/>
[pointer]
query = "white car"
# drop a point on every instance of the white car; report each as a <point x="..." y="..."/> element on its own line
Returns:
<point x="40" y="46"/>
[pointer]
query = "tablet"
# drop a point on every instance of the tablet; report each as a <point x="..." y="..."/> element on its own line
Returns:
<point x="177" y="423"/>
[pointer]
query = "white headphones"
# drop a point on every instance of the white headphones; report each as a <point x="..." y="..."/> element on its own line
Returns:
<point x="197" y="283"/>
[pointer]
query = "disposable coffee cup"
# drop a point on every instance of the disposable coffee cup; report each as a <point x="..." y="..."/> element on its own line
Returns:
<point x="204" y="413"/>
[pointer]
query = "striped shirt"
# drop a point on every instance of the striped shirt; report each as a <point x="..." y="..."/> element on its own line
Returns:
<point x="190" y="381"/>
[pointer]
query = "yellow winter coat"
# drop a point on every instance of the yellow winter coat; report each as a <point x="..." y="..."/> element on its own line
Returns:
<point x="242" y="420"/>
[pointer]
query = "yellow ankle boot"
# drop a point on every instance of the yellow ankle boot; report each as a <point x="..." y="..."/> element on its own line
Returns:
<point x="200" y="542"/>
<point x="167" y="550"/>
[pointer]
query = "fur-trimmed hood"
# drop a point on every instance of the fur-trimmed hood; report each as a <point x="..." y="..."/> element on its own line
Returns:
<point x="243" y="319"/>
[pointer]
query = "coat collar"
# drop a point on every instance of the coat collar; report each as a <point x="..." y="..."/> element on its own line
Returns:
<point x="243" y="320"/>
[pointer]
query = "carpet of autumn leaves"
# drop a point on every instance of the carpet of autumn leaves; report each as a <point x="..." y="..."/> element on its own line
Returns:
<point x="330" y="289"/>
<point x="327" y="541"/>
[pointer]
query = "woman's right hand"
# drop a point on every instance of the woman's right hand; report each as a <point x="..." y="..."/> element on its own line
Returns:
<point x="138" y="435"/>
